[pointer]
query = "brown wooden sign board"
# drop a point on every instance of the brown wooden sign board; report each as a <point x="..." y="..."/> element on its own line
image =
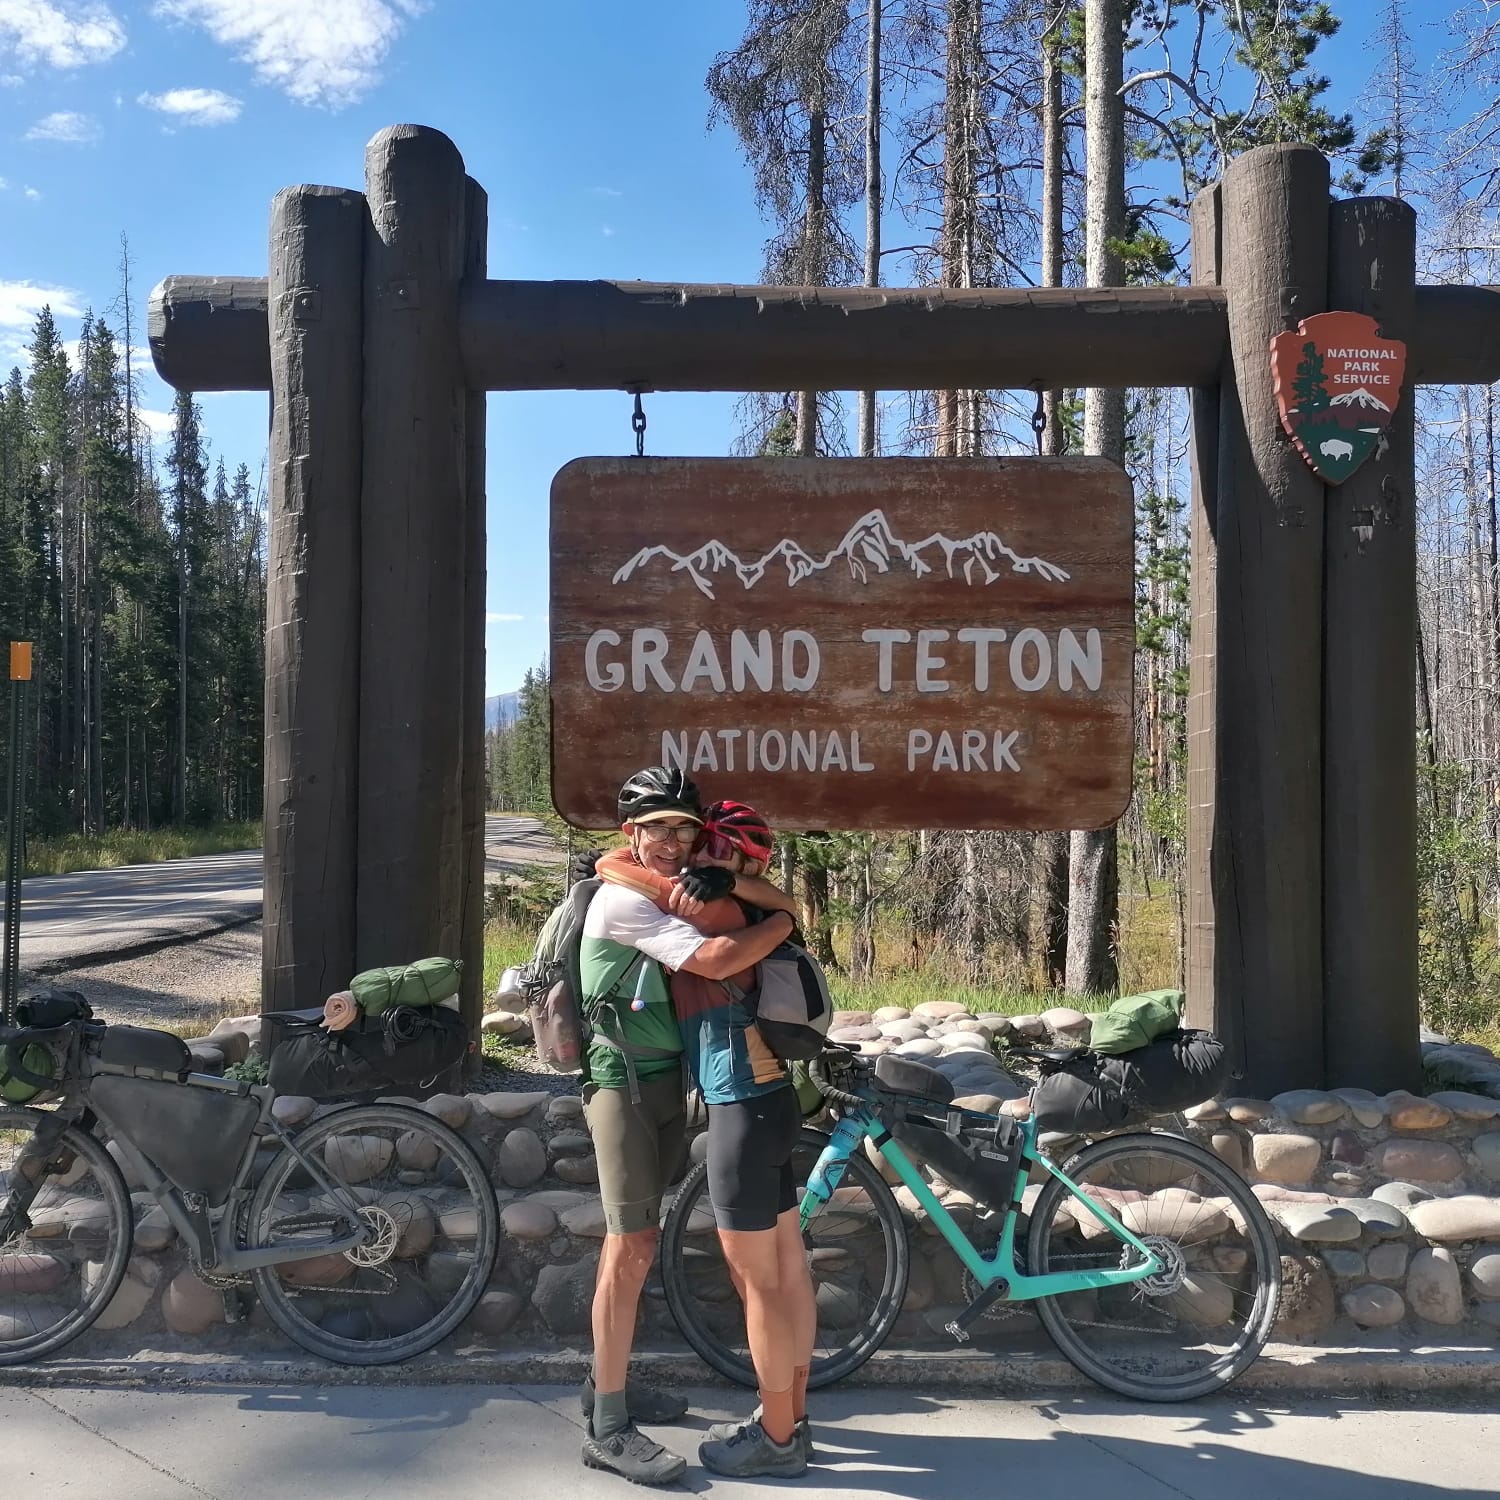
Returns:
<point x="844" y="643"/>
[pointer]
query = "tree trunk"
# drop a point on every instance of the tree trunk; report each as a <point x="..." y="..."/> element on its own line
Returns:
<point x="814" y="228"/>
<point x="1093" y="888"/>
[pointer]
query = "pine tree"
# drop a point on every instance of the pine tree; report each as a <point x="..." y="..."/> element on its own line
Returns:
<point x="1307" y="385"/>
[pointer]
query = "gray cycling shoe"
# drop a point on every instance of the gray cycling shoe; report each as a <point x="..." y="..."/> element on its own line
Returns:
<point x="645" y="1403"/>
<point x="751" y="1454"/>
<point x="633" y="1456"/>
<point x="722" y="1431"/>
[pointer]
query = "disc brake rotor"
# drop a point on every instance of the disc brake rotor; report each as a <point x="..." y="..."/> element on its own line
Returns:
<point x="384" y="1237"/>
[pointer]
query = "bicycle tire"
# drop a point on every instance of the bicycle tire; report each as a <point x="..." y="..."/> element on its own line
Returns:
<point x="282" y="1303"/>
<point x="1195" y="1305"/>
<point x="119" y="1229"/>
<point x="831" y="1361"/>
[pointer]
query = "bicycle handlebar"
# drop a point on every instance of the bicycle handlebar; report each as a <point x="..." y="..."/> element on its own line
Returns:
<point x="818" y="1071"/>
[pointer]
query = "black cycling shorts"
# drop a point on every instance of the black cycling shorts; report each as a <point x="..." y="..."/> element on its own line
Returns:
<point x="750" y="1146"/>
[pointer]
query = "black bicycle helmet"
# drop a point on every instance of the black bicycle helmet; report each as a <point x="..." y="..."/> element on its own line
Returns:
<point x="659" y="790"/>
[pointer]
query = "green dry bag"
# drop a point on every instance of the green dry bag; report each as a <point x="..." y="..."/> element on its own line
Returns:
<point x="429" y="981"/>
<point x="1136" y="1021"/>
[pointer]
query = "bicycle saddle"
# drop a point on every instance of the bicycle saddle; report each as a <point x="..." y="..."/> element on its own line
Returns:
<point x="904" y="1075"/>
<point x="1047" y="1054"/>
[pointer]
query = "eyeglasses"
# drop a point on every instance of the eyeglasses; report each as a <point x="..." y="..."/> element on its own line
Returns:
<point x="659" y="833"/>
<point x="717" y="846"/>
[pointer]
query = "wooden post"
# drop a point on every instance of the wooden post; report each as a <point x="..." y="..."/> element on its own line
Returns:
<point x="1268" y="848"/>
<point x="312" y="599"/>
<point x="472" y="997"/>
<point x="413" y="521"/>
<point x="1202" y="713"/>
<point x="1369" y="736"/>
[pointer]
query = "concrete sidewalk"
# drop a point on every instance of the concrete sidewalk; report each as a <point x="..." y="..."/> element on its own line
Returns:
<point x="509" y="1443"/>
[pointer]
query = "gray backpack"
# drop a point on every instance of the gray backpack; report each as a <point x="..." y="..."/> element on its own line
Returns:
<point x="790" y="1003"/>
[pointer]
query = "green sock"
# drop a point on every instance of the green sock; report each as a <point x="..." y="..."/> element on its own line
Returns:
<point x="610" y="1413"/>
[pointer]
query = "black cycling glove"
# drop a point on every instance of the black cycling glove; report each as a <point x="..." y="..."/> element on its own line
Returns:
<point x="708" y="883"/>
<point x="583" y="864"/>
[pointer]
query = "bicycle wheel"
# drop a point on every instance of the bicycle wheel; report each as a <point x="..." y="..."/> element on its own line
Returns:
<point x="61" y="1260"/>
<point x="1190" y="1328"/>
<point x="860" y="1261"/>
<point x="428" y="1198"/>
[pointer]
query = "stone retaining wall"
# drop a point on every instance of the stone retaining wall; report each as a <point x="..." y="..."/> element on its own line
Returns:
<point x="1387" y="1209"/>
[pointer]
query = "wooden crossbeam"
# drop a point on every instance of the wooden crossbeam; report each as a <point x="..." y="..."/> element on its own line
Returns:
<point x="210" y="333"/>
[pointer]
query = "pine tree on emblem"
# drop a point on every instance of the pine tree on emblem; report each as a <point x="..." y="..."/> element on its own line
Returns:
<point x="1308" y="385"/>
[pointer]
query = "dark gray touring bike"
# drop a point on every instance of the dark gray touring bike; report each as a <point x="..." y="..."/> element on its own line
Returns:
<point x="367" y="1236"/>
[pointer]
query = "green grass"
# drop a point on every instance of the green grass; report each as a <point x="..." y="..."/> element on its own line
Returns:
<point x="109" y="851"/>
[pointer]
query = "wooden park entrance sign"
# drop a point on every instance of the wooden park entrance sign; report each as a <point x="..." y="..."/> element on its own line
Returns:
<point x="883" y="643"/>
<point x="377" y="334"/>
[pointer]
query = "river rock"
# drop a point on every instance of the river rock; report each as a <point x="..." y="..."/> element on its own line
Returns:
<point x="1066" y="1024"/>
<point x="460" y="1226"/>
<point x="939" y="1010"/>
<point x="964" y="1041"/>
<point x="1487" y="1150"/>
<point x="1468" y="1217"/>
<point x="1388" y="1262"/>
<point x="1433" y="1287"/>
<point x="1286" y="1159"/>
<point x="206" y="1058"/>
<point x="1368" y="1109"/>
<point x="505" y="1105"/>
<point x="890" y="1013"/>
<point x="1378" y="1216"/>
<point x="1423" y="1161"/>
<point x="1307" y="1307"/>
<point x="496" y="1313"/>
<point x="292" y="1110"/>
<point x="1207" y="1112"/>
<point x="451" y="1109"/>
<point x="850" y="1034"/>
<point x="1229" y="1148"/>
<point x="415" y="1221"/>
<point x="502" y="1023"/>
<point x="1308" y="1107"/>
<point x="1484" y="1272"/>
<point x="922" y="1049"/>
<point x="563" y="1108"/>
<point x="522" y="1159"/>
<point x="30" y="1275"/>
<point x="570" y="1143"/>
<point x="586" y="1222"/>
<point x="155" y="1232"/>
<point x="1472" y="1107"/>
<point x="1315" y="1224"/>
<point x="417" y="1151"/>
<point x="190" y="1307"/>
<point x="903" y="1031"/>
<point x="580" y="1170"/>
<point x="1374" y="1306"/>
<point x="564" y="1296"/>
<point x="1347" y="1265"/>
<point x="1249" y="1111"/>
<point x="357" y="1158"/>
<point x="526" y="1219"/>
<point x="128" y="1303"/>
<point x="1400" y="1194"/>
<point x="1412" y="1112"/>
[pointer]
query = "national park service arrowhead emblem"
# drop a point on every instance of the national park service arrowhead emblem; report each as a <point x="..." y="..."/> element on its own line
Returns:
<point x="1337" y="383"/>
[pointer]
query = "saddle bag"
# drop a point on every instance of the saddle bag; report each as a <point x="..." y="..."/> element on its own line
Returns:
<point x="402" y="1050"/>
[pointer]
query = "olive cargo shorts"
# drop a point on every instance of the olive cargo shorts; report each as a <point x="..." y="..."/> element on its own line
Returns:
<point x="639" y="1148"/>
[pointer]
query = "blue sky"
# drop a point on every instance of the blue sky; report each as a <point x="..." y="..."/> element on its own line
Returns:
<point x="175" y="121"/>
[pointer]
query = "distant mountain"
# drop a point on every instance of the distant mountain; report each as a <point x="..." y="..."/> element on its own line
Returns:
<point x="869" y="547"/>
<point x="502" y="710"/>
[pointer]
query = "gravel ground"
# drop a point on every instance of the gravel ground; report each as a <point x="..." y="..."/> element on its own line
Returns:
<point x="200" y="981"/>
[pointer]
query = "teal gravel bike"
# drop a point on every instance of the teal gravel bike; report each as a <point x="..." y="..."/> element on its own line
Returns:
<point x="1147" y="1260"/>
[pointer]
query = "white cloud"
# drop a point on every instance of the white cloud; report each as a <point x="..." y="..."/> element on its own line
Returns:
<point x="609" y="192"/>
<point x="608" y="232"/>
<point x="21" y="301"/>
<point x="59" y="33"/>
<point x="3" y="184"/>
<point x="492" y="618"/>
<point x="329" y="53"/>
<point x="65" y="125"/>
<point x="33" y="193"/>
<point x="157" y="422"/>
<point x="195" y="106"/>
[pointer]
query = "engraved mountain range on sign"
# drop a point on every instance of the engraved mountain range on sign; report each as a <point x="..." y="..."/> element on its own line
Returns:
<point x="870" y="548"/>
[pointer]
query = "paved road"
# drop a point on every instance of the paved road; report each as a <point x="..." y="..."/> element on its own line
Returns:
<point x="68" y="918"/>
<point x="521" y="1443"/>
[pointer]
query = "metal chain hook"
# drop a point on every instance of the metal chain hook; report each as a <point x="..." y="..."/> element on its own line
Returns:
<point x="638" y="426"/>
<point x="1039" y="418"/>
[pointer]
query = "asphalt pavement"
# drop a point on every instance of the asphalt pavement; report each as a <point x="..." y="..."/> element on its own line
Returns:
<point x="93" y="915"/>
<point x="479" y="1442"/>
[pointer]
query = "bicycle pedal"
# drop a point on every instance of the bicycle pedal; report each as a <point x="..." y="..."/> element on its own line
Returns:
<point x="960" y="1335"/>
